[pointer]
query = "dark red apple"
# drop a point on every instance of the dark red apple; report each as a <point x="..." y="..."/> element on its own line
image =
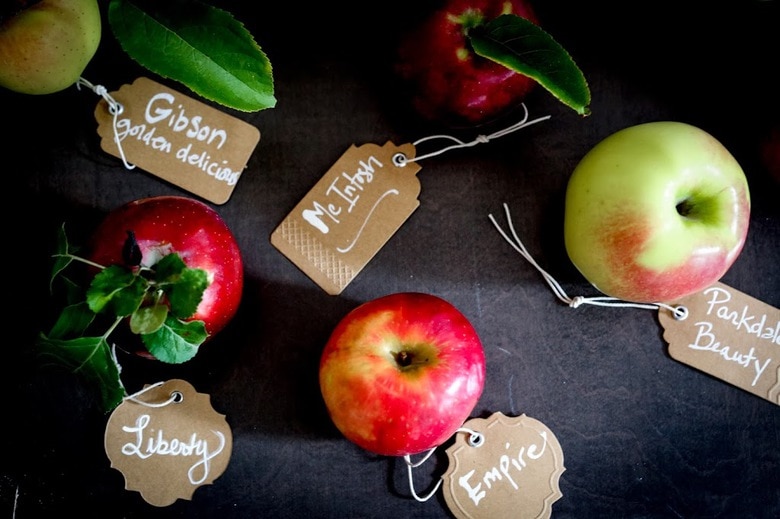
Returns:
<point x="448" y="80"/>
<point x="197" y="233"/>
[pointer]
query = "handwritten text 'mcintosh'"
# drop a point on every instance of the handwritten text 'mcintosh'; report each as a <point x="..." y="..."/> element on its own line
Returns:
<point x="343" y="194"/>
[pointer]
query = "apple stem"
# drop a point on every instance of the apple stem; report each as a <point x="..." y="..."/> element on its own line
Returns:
<point x="403" y="358"/>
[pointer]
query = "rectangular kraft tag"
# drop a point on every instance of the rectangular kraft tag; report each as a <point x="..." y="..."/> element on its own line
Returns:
<point x="730" y="335"/>
<point x="179" y="139"/>
<point x="352" y="211"/>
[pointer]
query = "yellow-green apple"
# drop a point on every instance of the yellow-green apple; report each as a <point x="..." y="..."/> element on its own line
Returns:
<point x="46" y="44"/>
<point x="142" y="233"/>
<point x="401" y="373"/>
<point x="449" y="81"/>
<point x="655" y="212"/>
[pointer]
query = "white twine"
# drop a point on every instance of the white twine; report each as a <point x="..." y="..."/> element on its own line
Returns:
<point x="114" y="108"/>
<point x="400" y="160"/>
<point x="176" y="396"/>
<point x="476" y="439"/>
<point x="679" y="312"/>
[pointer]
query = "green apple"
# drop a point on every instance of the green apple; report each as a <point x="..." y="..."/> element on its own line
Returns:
<point x="655" y="212"/>
<point x="45" y="47"/>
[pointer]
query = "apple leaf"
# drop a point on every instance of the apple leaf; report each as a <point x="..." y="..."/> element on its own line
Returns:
<point x="200" y="46"/>
<point x="185" y="295"/>
<point x="148" y="319"/>
<point x="176" y="341"/>
<point x="90" y="357"/>
<point x="524" y="47"/>
<point x="62" y="258"/>
<point x="118" y="289"/>
<point x="72" y="321"/>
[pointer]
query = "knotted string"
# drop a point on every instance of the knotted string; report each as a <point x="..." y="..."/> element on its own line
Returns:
<point x="114" y="108"/>
<point x="176" y="397"/>
<point x="475" y="440"/>
<point x="400" y="160"/>
<point x="679" y="312"/>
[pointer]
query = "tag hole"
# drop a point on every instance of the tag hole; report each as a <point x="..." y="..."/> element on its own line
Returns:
<point x="177" y="397"/>
<point x="680" y="313"/>
<point x="399" y="160"/>
<point x="476" y="439"/>
<point x="116" y="109"/>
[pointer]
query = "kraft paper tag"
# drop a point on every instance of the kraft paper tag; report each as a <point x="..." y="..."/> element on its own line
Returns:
<point x="167" y="441"/>
<point x="177" y="138"/>
<point x="512" y="471"/>
<point x="729" y="335"/>
<point x="352" y="211"/>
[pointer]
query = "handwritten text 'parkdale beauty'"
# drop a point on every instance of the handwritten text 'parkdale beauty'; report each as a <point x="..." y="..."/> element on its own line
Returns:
<point x="157" y="445"/>
<point x="345" y="189"/>
<point x="159" y="113"/>
<point x="742" y="320"/>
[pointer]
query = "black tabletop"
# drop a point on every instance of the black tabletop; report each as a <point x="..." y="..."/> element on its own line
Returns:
<point x="643" y="435"/>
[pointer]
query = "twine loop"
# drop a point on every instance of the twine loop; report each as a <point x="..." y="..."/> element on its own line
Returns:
<point x="174" y="398"/>
<point x="114" y="108"/>
<point x="400" y="160"/>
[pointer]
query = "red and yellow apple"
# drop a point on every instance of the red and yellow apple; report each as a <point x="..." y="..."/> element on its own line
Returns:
<point x="47" y="44"/>
<point x="401" y="373"/>
<point x="655" y="212"/>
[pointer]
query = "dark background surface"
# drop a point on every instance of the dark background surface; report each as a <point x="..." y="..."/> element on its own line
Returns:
<point x="642" y="435"/>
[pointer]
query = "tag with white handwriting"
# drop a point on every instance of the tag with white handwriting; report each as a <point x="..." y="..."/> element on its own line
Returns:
<point x="513" y="472"/>
<point x="167" y="441"/>
<point x="179" y="139"/>
<point x="729" y="335"/>
<point x="352" y="211"/>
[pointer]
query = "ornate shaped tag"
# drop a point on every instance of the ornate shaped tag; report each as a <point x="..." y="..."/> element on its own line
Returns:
<point x="350" y="213"/>
<point x="729" y="335"/>
<point x="167" y="441"/>
<point x="507" y="468"/>
<point x="177" y="138"/>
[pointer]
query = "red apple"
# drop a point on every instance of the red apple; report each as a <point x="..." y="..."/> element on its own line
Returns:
<point x="167" y="224"/>
<point x="401" y="373"/>
<point x="448" y="79"/>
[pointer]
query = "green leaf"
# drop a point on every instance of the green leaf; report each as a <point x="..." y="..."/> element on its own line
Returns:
<point x="200" y="46"/>
<point x="62" y="258"/>
<point x="526" y="48"/>
<point x="176" y="341"/>
<point x="90" y="357"/>
<point x="72" y="321"/>
<point x="169" y="268"/>
<point x="118" y="289"/>
<point x="148" y="319"/>
<point x="186" y="294"/>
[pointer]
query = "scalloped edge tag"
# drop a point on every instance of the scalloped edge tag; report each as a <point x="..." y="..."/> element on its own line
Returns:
<point x="513" y="472"/>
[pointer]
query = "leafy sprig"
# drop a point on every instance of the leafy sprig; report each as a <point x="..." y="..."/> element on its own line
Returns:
<point x="154" y="300"/>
